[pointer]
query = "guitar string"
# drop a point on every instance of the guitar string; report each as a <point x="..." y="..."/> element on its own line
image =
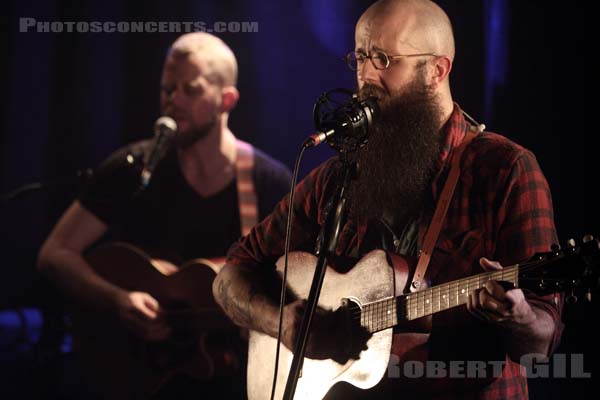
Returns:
<point x="384" y="309"/>
<point x="449" y="286"/>
<point x="504" y="274"/>
<point x="381" y="312"/>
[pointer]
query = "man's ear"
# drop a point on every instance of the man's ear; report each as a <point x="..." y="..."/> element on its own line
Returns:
<point x="442" y="66"/>
<point x="230" y="97"/>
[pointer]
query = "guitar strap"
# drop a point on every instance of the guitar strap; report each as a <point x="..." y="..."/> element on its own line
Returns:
<point x="440" y="212"/>
<point x="244" y="165"/>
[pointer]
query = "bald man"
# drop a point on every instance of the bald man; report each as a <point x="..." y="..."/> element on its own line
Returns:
<point x="500" y="210"/>
<point x="196" y="204"/>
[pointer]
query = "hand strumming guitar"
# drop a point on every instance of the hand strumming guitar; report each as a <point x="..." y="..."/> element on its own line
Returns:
<point x="143" y="315"/>
<point x="332" y="336"/>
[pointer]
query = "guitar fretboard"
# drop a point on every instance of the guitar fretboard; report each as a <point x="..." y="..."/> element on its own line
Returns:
<point x="387" y="313"/>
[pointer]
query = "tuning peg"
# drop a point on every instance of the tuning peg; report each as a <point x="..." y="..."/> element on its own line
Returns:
<point x="571" y="242"/>
<point x="571" y="298"/>
<point x="588" y="238"/>
<point x="588" y="295"/>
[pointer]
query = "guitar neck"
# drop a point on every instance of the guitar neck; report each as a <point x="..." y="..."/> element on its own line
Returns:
<point x="387" y="313"/>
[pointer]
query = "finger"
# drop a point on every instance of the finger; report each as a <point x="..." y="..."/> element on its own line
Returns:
<point x="470" y="301"/>
<point x="151" y="303"/>
<point x="489" y="265"/>
<point x="495" y="290"/>
<point x="488" y="303"/>
<point x="473" y="306"/>
<point x="515" y="296"/>
<point x="470" y="307"/>
<point x="145" y="313"/>
<point x="148" y="307"/>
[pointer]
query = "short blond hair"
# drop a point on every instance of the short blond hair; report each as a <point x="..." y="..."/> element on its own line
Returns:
<point x="220" y="59"/>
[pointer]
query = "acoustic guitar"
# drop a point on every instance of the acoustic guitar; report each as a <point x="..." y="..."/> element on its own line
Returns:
<point x="117" y="364"/>
<point x="366" y="293"/>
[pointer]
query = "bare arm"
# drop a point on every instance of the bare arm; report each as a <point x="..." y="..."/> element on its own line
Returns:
<point x="242" y="293"/>
<point x="61" y="260"/>
<point x="239" y="291"/>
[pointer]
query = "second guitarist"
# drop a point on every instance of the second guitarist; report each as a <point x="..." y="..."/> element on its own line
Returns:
<point x="207" y="190"/>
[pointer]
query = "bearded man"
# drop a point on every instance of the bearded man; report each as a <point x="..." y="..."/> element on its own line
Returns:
<point x="500" y="210"/>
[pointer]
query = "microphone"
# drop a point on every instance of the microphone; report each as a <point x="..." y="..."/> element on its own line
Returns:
<point x="347" y="125"/>
<point x="164" y="132"/>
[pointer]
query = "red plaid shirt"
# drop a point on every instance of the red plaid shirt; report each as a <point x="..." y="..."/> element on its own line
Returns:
<point x="501" y="209"/>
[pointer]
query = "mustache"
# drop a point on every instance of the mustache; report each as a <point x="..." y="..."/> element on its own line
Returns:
<point x="369" y="90"/>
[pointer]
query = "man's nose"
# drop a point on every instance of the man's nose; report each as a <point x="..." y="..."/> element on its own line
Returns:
<point x="176" y="97"/>
<point x="368" y="73"/>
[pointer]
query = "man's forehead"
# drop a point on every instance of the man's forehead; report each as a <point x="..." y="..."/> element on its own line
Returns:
<point x="184" y="69"/>
<point x="189" y="64"/>
<point x="385" y="33"/>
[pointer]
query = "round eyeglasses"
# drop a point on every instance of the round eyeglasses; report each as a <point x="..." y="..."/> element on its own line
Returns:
<point x="379" y="58"/>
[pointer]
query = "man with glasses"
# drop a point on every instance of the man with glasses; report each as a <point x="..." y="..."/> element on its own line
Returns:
<point x="501" y="210"/>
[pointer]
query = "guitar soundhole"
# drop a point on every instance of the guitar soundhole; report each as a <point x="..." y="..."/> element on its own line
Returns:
<point x="356" y="336"/>
<point x="352" y="310"/>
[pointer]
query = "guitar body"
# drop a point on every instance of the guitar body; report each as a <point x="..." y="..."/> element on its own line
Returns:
<point x="117" y="364"/>
<point x="371" y="279"/>
<point x="399" y="320"/>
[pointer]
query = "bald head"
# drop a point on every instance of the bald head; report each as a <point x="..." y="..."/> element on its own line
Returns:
<point x="416" y="25"/>
<point x="216" y="55"/>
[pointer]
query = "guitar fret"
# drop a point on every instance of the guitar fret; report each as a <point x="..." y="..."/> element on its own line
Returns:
<point x="372" y="316"/>
<point x="456" y="286"/>
<point x="388" y="314"/>
<point x="427" y="305"/>
<point x="378" y="316"/>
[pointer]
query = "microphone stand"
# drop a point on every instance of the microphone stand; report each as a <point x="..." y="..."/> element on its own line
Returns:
<point x="80" y="175"/>
<point x="329" y="235"/>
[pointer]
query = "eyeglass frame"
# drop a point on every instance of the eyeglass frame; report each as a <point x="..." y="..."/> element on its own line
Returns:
<point x="387" y="57"/>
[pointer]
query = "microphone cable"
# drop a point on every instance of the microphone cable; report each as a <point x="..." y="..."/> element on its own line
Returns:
<point x="288" y="234"/>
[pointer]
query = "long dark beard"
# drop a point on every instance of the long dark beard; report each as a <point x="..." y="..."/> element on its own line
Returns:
<point x="396" y="165"/>
<point x="184" y="141"/>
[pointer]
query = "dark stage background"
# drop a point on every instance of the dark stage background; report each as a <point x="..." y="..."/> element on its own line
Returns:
<point x="69" y="99"/>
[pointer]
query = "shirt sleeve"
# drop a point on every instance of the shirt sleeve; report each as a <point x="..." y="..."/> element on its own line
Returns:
<point x="108" y="193"/>
<point x="526" y="222"/>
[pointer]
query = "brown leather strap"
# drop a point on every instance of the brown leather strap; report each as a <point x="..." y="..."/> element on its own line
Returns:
<point x="248" y="205"/>
<point x="440" y="213"/>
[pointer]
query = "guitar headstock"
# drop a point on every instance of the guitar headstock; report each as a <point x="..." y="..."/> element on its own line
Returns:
<point x="569" y="269"/>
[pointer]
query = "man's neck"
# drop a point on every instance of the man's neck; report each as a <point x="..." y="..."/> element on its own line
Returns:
<point x="446" y="107"/>
<point x="210" y="154"/>
<point x="209" y="164"/>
